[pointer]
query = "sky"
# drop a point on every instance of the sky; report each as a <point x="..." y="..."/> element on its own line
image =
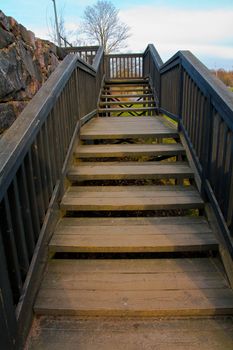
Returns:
<point x="203" y="27"/>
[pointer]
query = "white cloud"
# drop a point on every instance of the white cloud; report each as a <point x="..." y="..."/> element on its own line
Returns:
<point x="205" y="32"/>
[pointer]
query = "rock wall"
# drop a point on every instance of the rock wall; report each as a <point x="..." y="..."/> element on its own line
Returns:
<point x="25" y="63"/>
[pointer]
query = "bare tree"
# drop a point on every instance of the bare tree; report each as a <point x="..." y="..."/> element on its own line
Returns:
<point x="101" y="24"/>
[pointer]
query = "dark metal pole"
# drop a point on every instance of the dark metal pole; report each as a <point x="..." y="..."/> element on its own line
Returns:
<point x="56" y="23"/>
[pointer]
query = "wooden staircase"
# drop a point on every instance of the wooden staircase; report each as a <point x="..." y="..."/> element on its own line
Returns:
<point x="120" y="98"/>
<point x="134" y="239"/>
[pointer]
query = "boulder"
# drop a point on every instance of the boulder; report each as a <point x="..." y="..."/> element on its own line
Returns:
<point x="6" y="38"/>
<point x="7" y="116"/>
<point x="25" y="64"/>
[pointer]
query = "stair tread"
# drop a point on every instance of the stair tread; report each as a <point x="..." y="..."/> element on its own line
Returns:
<point x="126" y="82"/>
<point x="149" y="236"/>
<point x="127" y="170"/>
<point x="128" y="102"/>
<point x="127" y="109"/>
<point x="130" y="333"/>
<point x="134" y="287"/>
<point x="126" y="95"/>
<point x="125" y="127"/>
<point x="130" y="198"/>
<point x="128" y="149"/>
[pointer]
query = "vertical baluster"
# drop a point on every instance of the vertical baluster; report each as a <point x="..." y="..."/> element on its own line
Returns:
<point x="221" y="163"/>
<point x="26" y="210"/>
<point x="229" y="182"/>
<point x="18" y="228"/>
<point x="43" y="170"/>
<point x="8" y="325"/>
<point x="10" y="245"/>
<point x="50" y="136"/>
<point x="38" y="181"/>
<point x="46" y="149"/>
<point x="34" y="205"/>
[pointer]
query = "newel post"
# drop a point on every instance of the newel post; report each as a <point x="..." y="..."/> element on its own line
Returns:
<point x="208" y="135"/>
<point x="181" y="92"/>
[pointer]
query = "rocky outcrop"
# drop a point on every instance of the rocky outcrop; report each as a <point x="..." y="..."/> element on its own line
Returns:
<point x="25" y="63"/>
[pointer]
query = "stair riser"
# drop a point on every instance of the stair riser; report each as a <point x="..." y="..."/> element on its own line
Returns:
<point x="128" y="154"/>
<point x="135" y="313"/>
<point x="131" y="249"/>
<point x="78" y="178"/>
<point x="122" y="136"/>
<point x="145" y="207"/>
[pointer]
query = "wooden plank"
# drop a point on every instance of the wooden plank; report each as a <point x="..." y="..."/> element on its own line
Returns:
<point x="131" y="333"/>
<point x="125" y="150"/>
<point x="127" y="199"/>
<point x="123" y="127"/>
<point x="128" y="82"/>
<point x="82" y="241"/>
<point x="145" y="170"/>
<point x="128" y="102"/>
<point x="186" y="221"/>
<point x="73" y="291"/>
<point x="134" y="266"/>
<point x="126" y="109"/>
<point x="133" y="235"/>
<point x="126" y="96"/>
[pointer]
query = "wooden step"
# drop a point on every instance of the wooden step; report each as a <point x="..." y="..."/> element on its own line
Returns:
<point x="129" y="171"/>
<point x="159" y="287"/>
<point x="128" y="150"/>
<point x="171" y="234"/>
<point x="133" y="103"/>
<point x="127" y="96"/>
<point x="129" y="82"/>
<point x="127" y="109"/>
<point x="124" y="333"/>
<point x="120" y="198"/>
<point x="117" y="90"/>
<point x="128" y="127"/>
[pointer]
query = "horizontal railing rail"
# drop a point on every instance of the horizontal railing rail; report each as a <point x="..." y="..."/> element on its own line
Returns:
<point x="33" y="153"/>
<point x="86" y="53"/>
<point x="203" y="106"/>
<point x="124" y="66"/>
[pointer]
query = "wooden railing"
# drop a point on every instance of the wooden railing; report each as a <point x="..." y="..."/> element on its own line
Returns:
<point x="34" y="154"/>
<point x="203" y="106"/>
<point x="86" y="53"/>
<point x="124" y="66"/>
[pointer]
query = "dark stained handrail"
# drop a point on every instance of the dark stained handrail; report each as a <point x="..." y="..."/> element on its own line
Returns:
<point x="33" y="156"/>
<point x="203" y="106"/>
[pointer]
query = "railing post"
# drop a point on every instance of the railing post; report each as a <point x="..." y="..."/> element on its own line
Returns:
<point x="208" y="132"/>
<point x="7" y="311"/>
<point x="180" y="103"/>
